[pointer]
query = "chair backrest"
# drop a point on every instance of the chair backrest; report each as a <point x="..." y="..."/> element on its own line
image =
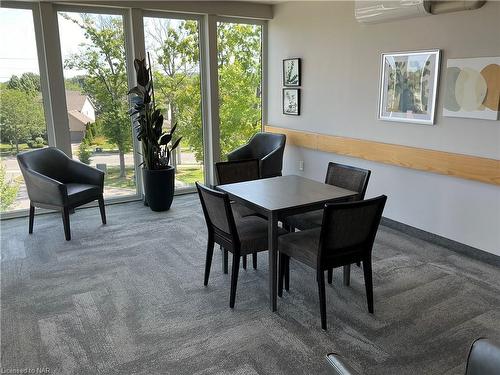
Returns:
<point x="263" y="144"/>
<point x="350" y="228"/>
<point x="218" y="213"/>
<point x="229" y="172"/>
<point x="484" y="358"/>
<point x="49" y="161"/>
<point x="348" y="177"/>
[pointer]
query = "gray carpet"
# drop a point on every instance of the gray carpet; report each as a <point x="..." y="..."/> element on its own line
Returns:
<point x="128" y="298"/>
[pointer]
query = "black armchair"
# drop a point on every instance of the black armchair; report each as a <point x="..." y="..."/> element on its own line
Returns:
<point x="268" y="148"/>
<point x="57" y="182"/>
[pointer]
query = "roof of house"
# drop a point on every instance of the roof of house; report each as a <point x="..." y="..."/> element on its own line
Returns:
<point x="80" y="116"/>
<point x="75" y="100"/>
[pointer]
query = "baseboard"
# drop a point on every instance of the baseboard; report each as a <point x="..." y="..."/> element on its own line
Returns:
<point x="455" y="246"/>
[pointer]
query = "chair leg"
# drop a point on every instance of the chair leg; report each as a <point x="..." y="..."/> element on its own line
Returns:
<point x="287" y="273"/>
<point x="102" y="209"/>
<point x="65" y="217"/>
<point x="330" y="275"/>
<point x="281" y="273"/>
<point x="208" y="261"/>
<point x="234" y="279"/>
<point x="367" y="270"/>
<point x="254" y="260"/>
<point x="322" y="298"/>
<point x="225" y="260"/>
<point x="244" y="262"/>
<point x="32" y="219"/>
<point x="347" y="275"/>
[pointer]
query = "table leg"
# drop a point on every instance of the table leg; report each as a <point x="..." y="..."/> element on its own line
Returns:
<point x="273" y="259"/>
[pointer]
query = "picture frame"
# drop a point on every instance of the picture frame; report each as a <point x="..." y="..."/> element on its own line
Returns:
<point x="408" y="86"/>
<point x="472" y="88"/>
<point x="291" y="72"/>
<point x="291" y="101"/>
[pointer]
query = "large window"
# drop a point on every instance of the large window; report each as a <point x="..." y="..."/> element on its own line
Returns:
<point x="96" y="71"/>
<point x="22" y="119"/>
<point x="95" y="76"/>
<point x="239" y="55"/>
<point x="173" y="47"/>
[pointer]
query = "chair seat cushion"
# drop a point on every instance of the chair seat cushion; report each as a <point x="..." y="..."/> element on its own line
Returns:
<point x="82" y="193"/>
<point x="308" y="220"/>
<point x="252" y="231"/>
<point x="241" y="210"/>
<point x="302" y="246"/>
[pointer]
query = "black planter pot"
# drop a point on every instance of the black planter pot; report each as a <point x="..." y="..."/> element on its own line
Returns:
<point x="159" y="188"/>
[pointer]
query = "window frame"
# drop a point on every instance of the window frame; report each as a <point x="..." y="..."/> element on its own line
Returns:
<point x="42" y="69"/>
<point x="129" y="63"/>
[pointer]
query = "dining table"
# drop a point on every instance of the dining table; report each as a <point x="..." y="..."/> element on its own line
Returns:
<point x="278" y="197"/>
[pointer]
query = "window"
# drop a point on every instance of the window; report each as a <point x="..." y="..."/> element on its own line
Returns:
<point x="173" y="47"/>
<point x="22" y="118"/>
<point x="239" y="59"/>
<point x="95" y="76"/>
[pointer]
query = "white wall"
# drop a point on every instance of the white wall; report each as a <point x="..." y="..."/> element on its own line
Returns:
<point x="88" y="109"/>
<point x="340" y="73"/>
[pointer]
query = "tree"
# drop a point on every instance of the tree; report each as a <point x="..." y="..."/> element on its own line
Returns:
<point x="103" y="58"/>
<point x="28" y="82"/>
<point x="177" y="80"/>
<point x="21" y="116"/>
<point x="239" y="58"/>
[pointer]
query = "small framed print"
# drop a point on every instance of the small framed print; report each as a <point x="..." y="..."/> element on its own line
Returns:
<point x="291" y="72"/>
<point x="291" y="102"/>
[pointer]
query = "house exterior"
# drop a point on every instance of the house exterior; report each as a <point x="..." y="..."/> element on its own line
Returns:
<point x="81" y="112"/>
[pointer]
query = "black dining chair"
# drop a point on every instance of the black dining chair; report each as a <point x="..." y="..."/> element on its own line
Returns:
<point x="346" y="236"/>
<point x="230" y="172"/>
<point x="344" y="176"/>
<point x="57" y="182"/>
<point x="268" y="148"/>
<point x="341" y="175"/>
<point x="238" y="235"/>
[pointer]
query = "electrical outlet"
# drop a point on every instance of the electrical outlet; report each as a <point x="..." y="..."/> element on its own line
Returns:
<point x="301" y="165"/>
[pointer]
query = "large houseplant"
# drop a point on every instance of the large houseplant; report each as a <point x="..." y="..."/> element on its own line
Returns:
<point x="157" y="145"/>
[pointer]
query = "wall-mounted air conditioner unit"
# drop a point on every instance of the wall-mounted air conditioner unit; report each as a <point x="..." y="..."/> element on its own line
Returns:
<point x="377" y="11"/>
<point x="382" y="11"/>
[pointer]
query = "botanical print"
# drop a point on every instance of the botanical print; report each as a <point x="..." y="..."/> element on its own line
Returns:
<point x="291" y="72"/>
<point x="291" y="101"/>
<point x="472" y="88"/>
<point x="408" y="86"/>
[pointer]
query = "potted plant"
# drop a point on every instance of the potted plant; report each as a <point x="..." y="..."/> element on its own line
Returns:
<point x="157" y="146"/>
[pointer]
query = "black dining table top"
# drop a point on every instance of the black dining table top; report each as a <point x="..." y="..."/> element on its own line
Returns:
<point x="284" y="192"/>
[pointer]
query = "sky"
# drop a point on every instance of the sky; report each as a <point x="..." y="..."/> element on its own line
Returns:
<point x="19" y="55"/>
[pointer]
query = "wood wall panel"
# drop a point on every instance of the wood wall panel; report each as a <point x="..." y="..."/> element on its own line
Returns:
<point x="458" y="165"/>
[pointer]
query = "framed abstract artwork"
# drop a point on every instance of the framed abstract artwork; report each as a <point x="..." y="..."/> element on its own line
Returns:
<point x="472" y="88"/>
<point x="291" y="102"/>
<point x="408" y="86"/>
<point x="291" y="72"/>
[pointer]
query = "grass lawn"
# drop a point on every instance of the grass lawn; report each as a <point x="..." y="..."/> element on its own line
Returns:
<point x="6" y="149"/>
<point x="112" y="178"/>
<point x="189" y="174"/>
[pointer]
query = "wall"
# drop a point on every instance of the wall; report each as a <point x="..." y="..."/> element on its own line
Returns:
<point x="340" y="74"/>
